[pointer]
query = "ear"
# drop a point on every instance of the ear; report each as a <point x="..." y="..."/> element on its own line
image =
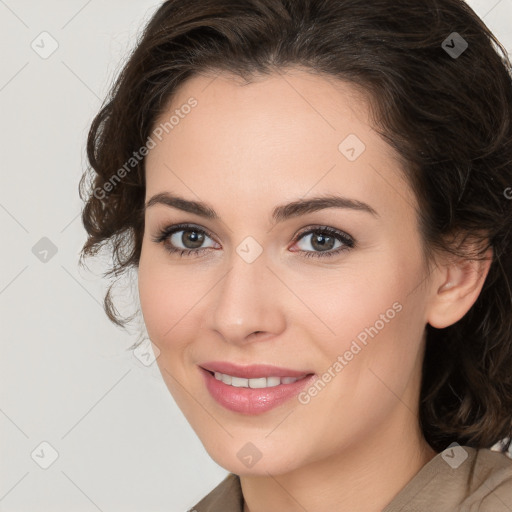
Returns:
<point x="455" y="288"/>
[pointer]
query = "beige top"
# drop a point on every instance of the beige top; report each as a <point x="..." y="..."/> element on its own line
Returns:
<point x="447" y="483"/>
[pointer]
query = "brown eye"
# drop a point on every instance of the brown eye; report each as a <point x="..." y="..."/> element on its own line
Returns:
<point x="323" y="242"/>
<point x="191" y="239"/>
<point x="184" y="239"/>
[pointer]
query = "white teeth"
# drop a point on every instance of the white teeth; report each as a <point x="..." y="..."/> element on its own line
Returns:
<point x="273" y="381"/>
<point x="239" y="383"/>
<point x="258" y="383"/>
<point x="288" y="380"/>
<point x="224" y="378"/>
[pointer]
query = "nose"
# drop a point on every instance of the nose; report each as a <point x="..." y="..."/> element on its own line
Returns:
<point x="246" y="303"/>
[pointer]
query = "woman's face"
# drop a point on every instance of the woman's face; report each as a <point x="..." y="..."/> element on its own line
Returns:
<point x="348" y="305"/>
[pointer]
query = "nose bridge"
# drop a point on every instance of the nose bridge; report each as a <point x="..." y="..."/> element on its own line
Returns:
<point x="244" y="302"/>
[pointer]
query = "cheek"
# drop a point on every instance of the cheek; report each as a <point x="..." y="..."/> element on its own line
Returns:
<point x="354" y="298"/>
<point x="171" y="298"/>
<point x="165" y="297"/>
<point x="385" y="348"/>
<point x="369" y="315"/>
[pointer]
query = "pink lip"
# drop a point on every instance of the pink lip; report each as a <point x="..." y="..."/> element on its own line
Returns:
<point x="252" y="371"/>
<point x="253" y="401"/>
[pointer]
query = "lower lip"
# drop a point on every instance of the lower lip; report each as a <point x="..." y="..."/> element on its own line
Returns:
<point x="249" y="400"/>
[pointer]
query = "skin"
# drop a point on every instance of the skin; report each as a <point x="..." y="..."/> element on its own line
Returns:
<point x="245" y="149"/>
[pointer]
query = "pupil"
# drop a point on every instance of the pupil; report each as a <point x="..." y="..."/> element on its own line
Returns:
<point x="324" y="244"/>
<point x="195" y="239"/>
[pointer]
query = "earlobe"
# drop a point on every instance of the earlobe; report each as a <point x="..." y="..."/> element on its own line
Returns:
<point x="462" y="281"/>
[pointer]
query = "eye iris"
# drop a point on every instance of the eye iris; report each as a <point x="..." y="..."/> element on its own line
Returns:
<point x="322" y="242"/>
<point x="196" y="239"/>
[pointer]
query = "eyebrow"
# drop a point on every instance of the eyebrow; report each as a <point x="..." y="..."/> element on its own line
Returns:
<point x="279" y="213"/>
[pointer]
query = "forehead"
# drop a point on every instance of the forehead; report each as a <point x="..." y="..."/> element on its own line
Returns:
<point x="279" y="137"/>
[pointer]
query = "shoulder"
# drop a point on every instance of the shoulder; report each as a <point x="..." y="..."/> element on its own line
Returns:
<point x="226" y="497"/>
<point x="490" y="482"/>
<point x="459" y="479"/>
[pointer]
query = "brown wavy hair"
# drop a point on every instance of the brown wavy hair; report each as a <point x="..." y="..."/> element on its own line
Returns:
<point x="449" y="118"/>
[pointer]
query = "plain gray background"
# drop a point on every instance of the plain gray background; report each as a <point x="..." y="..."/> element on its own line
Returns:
<point x="67" y="380"/>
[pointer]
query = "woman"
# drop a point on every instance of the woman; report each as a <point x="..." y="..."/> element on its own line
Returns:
<point x="314" y="195"/>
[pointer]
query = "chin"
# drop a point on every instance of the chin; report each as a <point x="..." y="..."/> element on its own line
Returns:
<point x="249" y="460"/>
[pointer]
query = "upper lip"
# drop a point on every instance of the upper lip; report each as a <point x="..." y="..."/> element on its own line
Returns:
<point x="251" y="371"/>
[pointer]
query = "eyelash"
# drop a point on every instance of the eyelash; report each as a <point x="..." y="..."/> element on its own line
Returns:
<point x="165" y="233"/>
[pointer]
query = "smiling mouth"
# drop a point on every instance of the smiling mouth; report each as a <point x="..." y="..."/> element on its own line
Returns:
<point x="256" y="389"/>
